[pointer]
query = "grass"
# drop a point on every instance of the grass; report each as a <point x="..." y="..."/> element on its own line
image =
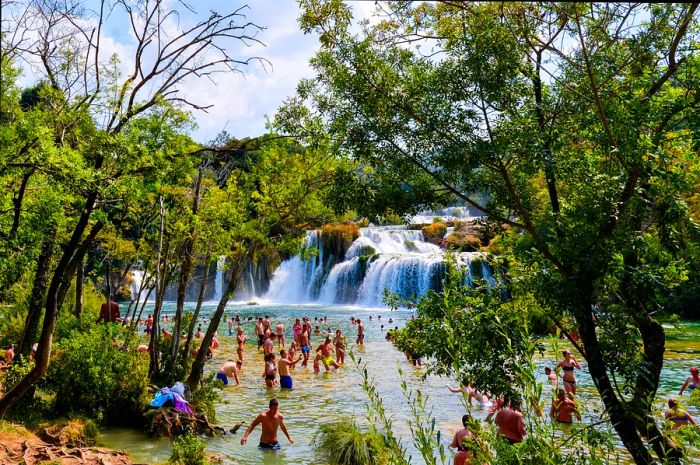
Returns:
<point x="343" y="443"/>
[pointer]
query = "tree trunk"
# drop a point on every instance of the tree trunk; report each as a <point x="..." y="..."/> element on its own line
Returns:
<point x="17" y="203"/>
<point x="185" y="272"/>
<point x="36" y="300"/>
<point x="78" y="308"/>
<point x="623" y="423"/>
<point x="58" y="288"/>
<point x="197" y="370"/>
<point x="200" y="299"/>
<point x="153" y="366"/>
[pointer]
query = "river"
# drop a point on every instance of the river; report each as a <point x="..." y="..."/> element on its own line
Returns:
<point x="329" y="396"/>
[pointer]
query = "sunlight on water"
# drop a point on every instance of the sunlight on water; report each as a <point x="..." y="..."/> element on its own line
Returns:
<point x="330" y="396"/>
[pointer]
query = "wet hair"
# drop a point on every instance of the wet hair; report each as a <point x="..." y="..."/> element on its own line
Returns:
<point x="274" y="402"/>
<point x="466" y="419"/>
<point x="672" y="403"/>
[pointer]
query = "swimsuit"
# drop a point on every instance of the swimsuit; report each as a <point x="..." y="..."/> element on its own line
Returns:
<point x="285" y="382"/>
<point x="269" y="446"/>
<point x="305" y="349"/>
<point x="360" y="336"/>
<point x="327" y="360"/>
<point x="223" y="378"/>
<point x="261" y="340"/>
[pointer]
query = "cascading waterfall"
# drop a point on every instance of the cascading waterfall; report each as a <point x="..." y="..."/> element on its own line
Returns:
<point x="136" y="280"/>
<point x="219" y="280"/>
<point x="391" y="258"/>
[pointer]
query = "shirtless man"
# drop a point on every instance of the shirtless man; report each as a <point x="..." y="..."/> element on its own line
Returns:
<point x="279" y="331"/>
<point x="199" y="334"/>
<point x="326" y="350"/>
<point x="227" y="370"/>
<point x="339" y="342"/>
<point x="266" y="324"/>
<point x="109" y="311"/>
<point x="230" y="327"/>
<point x="260" y="332"/>
<point x="563" y="408"/>
<point x="149" y="325"/>
<point x="307" y="326"/>
<point x="283" y="368"/>
<point x="271" y="420"/>
<point x="269" y="344"/>
<point x="305" y="346"/>
<point x="167" y="335"/>
<point x="360" y="333"/>
<point x="551" y="376"/>
<point x="470" y="393"/>
<point x="9" y="353"/>
<point x="240" y="338"/>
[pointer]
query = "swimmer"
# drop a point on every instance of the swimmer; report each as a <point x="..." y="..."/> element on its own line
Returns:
<point x="142" y="348"/>
<point x="326" y="350"/>
<point x="339" y="343"/>
<point x="260" y="332"/>
<point x="270" y="373"/>
<point x="167" y="335"/>
<point x="305" y="346"/>
<point x="283" y="367"/>
<point x="230" y="327"/>
<point x="382" y="328"/>
<point x="691" y="382"/>
<point x="551" y="376"/>
<point x="563" y="407"/>
<point x="149" y="325"/>
<point x="297" y="330"/>
<point x="317" y="331"/>
<point x="228" y="370"/>
<point x="468" y="391"/>
<point x="266" y="323"/>
<point x="199" y="334"/>
<point x="370" y="318"/>
<point x="464" y="454"/>
<point x="269" y="344"/>
<point x="271" y="420"/>
<point x="391" y="320"/>
<point x="678" y="416"/>
<point x="292" y="350"/>
<point x="568" y="365"/>
<point x="279" y="331"/>
<point x="360" y="334"/>
<point x="214" y="342"/>
<point x="240" y="339"/>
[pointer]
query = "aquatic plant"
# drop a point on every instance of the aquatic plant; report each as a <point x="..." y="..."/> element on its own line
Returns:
<point x="189" y="449"/>
<point x="342" y="442"/>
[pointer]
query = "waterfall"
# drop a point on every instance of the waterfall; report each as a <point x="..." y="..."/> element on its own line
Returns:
<point x="136" y="280"/>
<point x="392" y="258"/>
<point x="219" y="280"/>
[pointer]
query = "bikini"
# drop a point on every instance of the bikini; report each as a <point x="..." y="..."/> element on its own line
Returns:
<point x="571" y="369"/>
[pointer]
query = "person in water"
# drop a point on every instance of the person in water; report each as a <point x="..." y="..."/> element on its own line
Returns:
<point x="551" y="376"/>
<point x="691" y="382"/>
<point x="468" y="391"/>
<point x="269" y="344"/>
<point x="199" y="334"/>
<point x="297" y="328"/>
<point x="228" y="370"/>
<point x="325" y="349"/>
<point x="283" y="366"/>
<point x="568" y="365"/>
<point x="279" y="330"/>
<point x="260" y="332"/>
<point x="360" y="333"/>
<point x="305" y="346"/>
<point x="271" y="421"/>
<point x="563" y="408"/>
<point x="678" y="416"/>
<point x="270" y="373"/>
<point x="240" y="339"/>
<point x="510" y="424"/>
<point x="464" y="453"/>
<point x="339" y="343"/>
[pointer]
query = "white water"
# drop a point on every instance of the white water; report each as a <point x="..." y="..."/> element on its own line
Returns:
<point x="136" y="280"/>
<point x="389" y="258"/>
<point x="446" y="214"/>
<point x="219" y="280"/>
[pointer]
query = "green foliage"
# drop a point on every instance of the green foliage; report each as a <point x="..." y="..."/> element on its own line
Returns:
<point x="93" y="376"/>
<point x="462" y="243"/>
<point x="342" y="442"/>
<point x="434" y="232"/>
<point x="206" y="395"/>
<point x="189" y="449"/>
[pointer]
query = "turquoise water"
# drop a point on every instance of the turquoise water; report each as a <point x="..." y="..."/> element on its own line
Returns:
<point x="329" y="396"/>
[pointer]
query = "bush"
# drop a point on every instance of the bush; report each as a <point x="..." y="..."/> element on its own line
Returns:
<point x="462" y="242"/>
<point x="92" y="376"/>
<point x="205" y="396"/>
<point x="189" y="450"/>
<point x="343" y="443"/>
<point x="434" y="233"/>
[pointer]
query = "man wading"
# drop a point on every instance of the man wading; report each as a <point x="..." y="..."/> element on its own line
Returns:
<point x="271" y="420"/>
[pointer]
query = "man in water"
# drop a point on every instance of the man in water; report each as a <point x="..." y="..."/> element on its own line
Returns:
<point x="326" y="349"/>
<point x="266" y="324"/>
<point x="199" y="334"/>
<point x="271" y="420"/>
<point x="551" y="376"/>
<point x="269" y="344"/>
<point x="464" y="453"/>
<point x="227" y="370"/>
<point x="279" y="330"/>
<point x="563" y="408"/>
<point x="510" y="424"/>
<point x="283" y="368"/>
<point x="360" y="333"/>
<point x="109" y="311"/>
<point x="260" y="332"/>
<point x="305" y="346"/>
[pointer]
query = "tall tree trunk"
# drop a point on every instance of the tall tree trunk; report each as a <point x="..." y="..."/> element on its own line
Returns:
<point x="200" y="299"/>
<point x="154" y="365"/>
<point x="197" y="370"/>
<point x="60" y="282"/>
<point x="623" y="423"/>
<point x="17" y="202"/>
<point x="78" y="308"/>
<point x="185" y="272"/>
<point x="36" y="300"/>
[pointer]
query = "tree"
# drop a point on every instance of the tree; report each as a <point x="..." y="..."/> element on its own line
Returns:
<point x="100" y="130"/>
<point x="576" y="120"/>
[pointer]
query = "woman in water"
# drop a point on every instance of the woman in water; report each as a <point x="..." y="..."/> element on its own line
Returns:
<point x="691" y="382"/>
<point x="339" y="342"/>
<point x="240" y="338"/>
<point x="568" y="365"/>
<point x="678" y="416"/>
<point x="270" y="373"/>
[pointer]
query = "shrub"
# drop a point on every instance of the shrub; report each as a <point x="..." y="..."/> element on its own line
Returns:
<point x="343" y="443"/>
<point x="338" y="237"/>
<point x="462" y="242"/>
<point x="189" y="449"/>
<point x="434" y="233"/>
<point x="205" y="396"/>
<point x="92" y="376"/>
